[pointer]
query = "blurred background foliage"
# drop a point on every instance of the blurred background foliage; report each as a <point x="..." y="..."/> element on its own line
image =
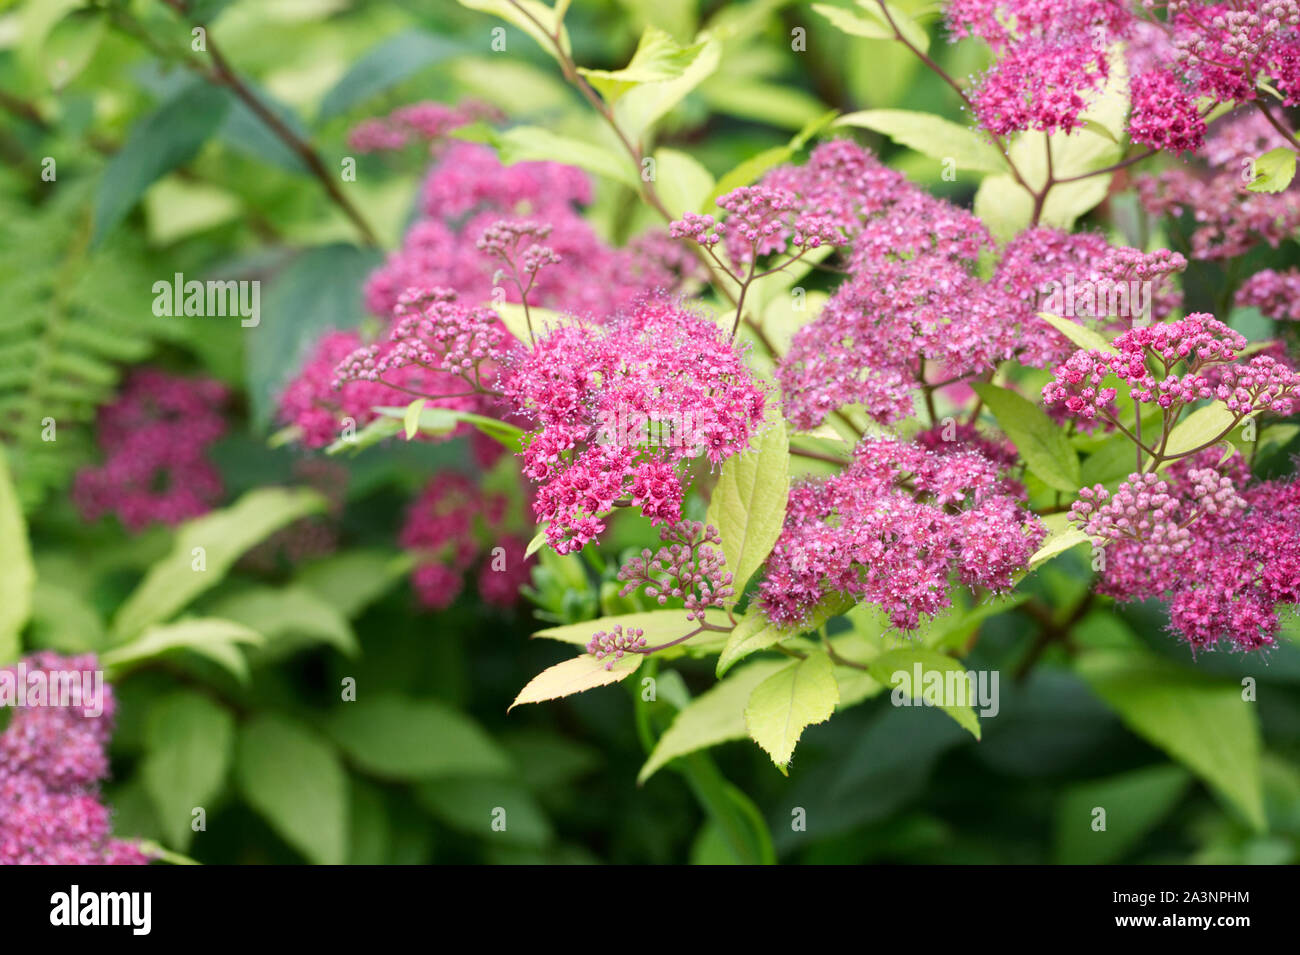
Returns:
<point x="161" y="171"/>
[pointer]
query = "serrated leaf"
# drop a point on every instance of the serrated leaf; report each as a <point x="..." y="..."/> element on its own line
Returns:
<point x="1274" y="170"/>
<point x="222" y="536"/>
<point x="755" y="632"/>
<point x="639" y="108"/>
<point x="533" y="143"/>
<point x="715" y="716"/>
<point x="932" y="136"/>
<point x="575" y="676"/>
<point x="899" y="669"/>
<point x="289" y="617"/>
<point x="658" y="58"/>
<point x="400" y="738"/>
<point x="1061" y="536"/>
<point x="787" y="702"/>
<point x="748" y="504"/>
<point x="293" y="778"/>
<point x="210" y="636"/>
<point x="1043" y="445"/>
<point x="189" y="744"/>
<point x="539" y="20"/>
<point x="1201" y="722"/>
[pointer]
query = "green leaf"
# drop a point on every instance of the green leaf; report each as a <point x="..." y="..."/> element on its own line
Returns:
<point x="660" y="626"/>
<point x="715" y="716"/>
<point x="353" y="579"/>
<point x="1201" y="722"/>
<point x="789" y="700"/>
<point x="383" y="67"/>
<point x="380" y="430"/>
<point x="223" y="536"/>
<point x="1046" y="450"/>
<point x="848" y="22"/>
<point x="1082" y="336"/>
<point x="639" y="108"/>
<point x="753" y="168"/>
<point x="295" y="781"/>
<point x="576" y="675"/>
<point x="682" y="183"/>
<point x="658" y="58"/>
<point x="1202" y="427"/>
<point x="1134" y="803"/>
<point x="875" y="26"/>
<point x="530" y="143"/>
<point x="1274" y="170"/>
<point x="748" y="504"/>
<point x="932" y="136"/>
<point x="496" y="810"/>
<point x="1061" y="536"/>
<point x="169" y="137"/>
<point x="537" y="19"/>
<point x="411" y="419"/>
<point x="289" y="617"/>
<point x="189" y="744"/>
<point x="755" y="632"/>
<point x="396" y="737"/>
<point x="18" y="576"/>
<point x="897" y="669"/>
<point x="210" y="636"/>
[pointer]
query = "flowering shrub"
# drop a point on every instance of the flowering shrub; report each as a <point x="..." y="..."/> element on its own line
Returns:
<point x="819" y="414"/>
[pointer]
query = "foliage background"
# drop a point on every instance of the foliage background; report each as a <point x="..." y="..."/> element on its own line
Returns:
<point x="160" y="171"/>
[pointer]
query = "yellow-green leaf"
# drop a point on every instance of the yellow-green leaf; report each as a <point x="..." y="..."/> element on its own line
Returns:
<point x="788" y="701"/>
<point x="574" y="676"/>
<point x="748" y="505"/>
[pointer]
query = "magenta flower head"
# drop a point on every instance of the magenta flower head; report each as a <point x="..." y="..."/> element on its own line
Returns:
<point x="155" y="438"/>
<point x="894" y="529"/>
<point x="615" y="409"/>
<point x="52" y="758"/>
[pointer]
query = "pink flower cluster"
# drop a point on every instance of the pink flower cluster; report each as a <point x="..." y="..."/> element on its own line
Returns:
<point x="655" y="361"/>
<point x="426" y="121"/>
<point x="1207" y="350"/>
<point x="760" y="221"/>
<point x="51" y="761"/>
<point x="896" y="528"/>
<point x="448" y="528"/>
<point x="1275" y="294"/>
<point x="155" y="438"/>
<point x="1224" y="555"/>
<point x="1164" y="113"/>
<point x="614" y="643"/>
<point x="690" y="567"/>
<point x="915" y="307"/>
<point x="1052" y="59"/>
<point x="435" y="346"/>
<point x="467" y="193"/>
<point x="1228" y="219"/>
